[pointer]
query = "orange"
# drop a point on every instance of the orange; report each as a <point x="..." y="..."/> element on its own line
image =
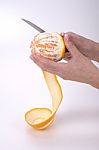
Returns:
<point x="50" y="45"/>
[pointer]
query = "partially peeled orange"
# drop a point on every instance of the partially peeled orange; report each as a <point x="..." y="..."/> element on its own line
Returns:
<point x="50" y="45"/>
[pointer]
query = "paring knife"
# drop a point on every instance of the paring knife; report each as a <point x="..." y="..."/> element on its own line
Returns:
<point x="34" y="26"/>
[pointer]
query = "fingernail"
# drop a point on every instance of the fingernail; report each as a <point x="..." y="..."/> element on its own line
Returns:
<point x="66" y="37"/>
<point x="62" y="33"/>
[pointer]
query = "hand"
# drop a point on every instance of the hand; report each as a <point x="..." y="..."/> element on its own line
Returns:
<point x="78" y="68"/>
<point x="86" y="46"/>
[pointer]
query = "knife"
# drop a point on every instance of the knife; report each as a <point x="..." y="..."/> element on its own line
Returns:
<point x="34" y="26"/>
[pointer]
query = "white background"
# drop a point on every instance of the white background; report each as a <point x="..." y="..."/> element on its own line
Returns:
<point x="22" y="85"/>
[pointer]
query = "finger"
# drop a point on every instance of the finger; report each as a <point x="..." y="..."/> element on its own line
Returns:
<point x="46" y="64"/>
<point x="79" y="40"/>
<point x="82" y="43"/>
<point x="70" y="46"/>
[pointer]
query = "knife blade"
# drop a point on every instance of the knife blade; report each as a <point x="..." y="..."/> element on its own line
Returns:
<point x="34" y="26"/>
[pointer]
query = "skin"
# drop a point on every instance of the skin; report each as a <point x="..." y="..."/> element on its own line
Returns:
<point x="86" y="46"/>
<point x="78" y="66"/>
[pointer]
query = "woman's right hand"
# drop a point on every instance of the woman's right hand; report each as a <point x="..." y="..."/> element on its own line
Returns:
<point x="86" y="46"/>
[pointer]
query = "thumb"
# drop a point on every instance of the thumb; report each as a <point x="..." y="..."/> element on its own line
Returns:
<point x="70" y="46"/>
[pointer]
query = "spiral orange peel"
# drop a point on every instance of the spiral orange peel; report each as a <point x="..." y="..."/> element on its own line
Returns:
<point x="47" y="44"/>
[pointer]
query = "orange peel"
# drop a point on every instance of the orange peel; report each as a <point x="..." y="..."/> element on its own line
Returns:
<point x="50" y="45"/>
